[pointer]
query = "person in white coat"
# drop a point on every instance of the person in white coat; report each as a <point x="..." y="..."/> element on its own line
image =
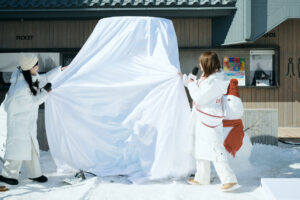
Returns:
<point x="206" y="122"/>
<point x="27" y="91"/>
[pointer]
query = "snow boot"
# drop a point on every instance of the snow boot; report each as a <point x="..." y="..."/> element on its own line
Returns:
<point x="41" y="179"/>
<point x="10" y="181"/>
<point x="191" y="181"/>
<point x="3" y="189"/>
<point x="229" y="187"/>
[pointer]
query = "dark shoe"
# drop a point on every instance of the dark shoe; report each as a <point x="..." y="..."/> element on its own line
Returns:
<point x="10" y="181"/>
<point x="41" y="179"/>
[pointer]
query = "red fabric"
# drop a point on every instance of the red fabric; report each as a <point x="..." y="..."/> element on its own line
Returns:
<point x="234" y="139"/>
<point x="209" y="125"/>
<point x="215" y="116"/>
<point x="233" y="88"/>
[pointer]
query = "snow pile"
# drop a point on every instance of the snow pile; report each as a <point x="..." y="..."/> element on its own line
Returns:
<point x="267" y="161"/>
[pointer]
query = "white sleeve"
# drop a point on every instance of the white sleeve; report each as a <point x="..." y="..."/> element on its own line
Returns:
<point x="49" y="76"/>
<point x="203" y="94"/>
<point x="40" y="97"/>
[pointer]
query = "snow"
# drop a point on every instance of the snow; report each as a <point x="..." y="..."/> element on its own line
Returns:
<point x="281" y="188"/>
<point x="266" y="161"/>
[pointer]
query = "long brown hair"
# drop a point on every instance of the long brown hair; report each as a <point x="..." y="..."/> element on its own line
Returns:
<point x="210" y="63"/>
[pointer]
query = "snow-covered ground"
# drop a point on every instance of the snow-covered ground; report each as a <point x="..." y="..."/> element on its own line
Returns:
<point x="266" y="161"/>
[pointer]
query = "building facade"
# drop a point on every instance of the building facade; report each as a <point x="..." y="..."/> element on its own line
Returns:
<point x="252" y="34"/>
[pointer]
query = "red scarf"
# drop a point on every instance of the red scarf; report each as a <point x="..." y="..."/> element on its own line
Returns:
<point x="234" y="139"/>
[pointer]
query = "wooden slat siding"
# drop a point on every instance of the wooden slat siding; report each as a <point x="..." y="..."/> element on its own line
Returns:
<point x="60" y="31"/>
<point x="296" y="77"/>
<point x="11" y="35"/>
<point x="297" y="82"/>
<point x="202" y="29"/>
<point x="72" y="34"/>
<point x="283" y="67"/>
<point x="193" y="32"/>
<point x="67" y="34"/>
<point x="66" y="27"/>
<point x="208" y="33"/>
<point x="189" y="29"/>
<point x="274" y="98"/>
<point x="289" y="80"/>
<point x="21" y="29"/>
<point x="51" y="31"/>
<point x="185" y="30"/>
<point x="196" y="35"/>
<point x="39" y="31"/>
<point x="79" y="32"/>
<point x="62" y="28"/>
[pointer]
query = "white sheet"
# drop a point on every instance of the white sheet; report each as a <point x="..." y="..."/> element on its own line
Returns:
<point x="121" y="107"/>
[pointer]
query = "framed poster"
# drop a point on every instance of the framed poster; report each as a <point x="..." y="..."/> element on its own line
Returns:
<point x="261" y="67"/>
<point x="234" y="67"/>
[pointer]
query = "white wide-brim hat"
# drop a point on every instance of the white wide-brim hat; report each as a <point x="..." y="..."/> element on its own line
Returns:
<point x="27" y="61"/>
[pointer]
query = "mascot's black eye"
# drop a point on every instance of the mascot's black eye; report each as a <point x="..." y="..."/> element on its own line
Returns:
<point x="228" y="99"/>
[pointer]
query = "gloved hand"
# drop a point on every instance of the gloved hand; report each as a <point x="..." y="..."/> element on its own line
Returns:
<point x="48" y="87"/>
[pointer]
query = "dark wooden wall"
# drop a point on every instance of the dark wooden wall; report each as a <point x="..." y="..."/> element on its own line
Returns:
<point x="73" y="34"/>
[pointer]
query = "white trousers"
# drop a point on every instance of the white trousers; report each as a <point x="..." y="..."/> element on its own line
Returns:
<point x="12" y="167"/>
<point x="223" y="169"/>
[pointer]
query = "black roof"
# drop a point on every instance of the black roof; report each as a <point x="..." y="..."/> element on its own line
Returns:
<point x="47" y="9"/>
<point x="65" y="4"/>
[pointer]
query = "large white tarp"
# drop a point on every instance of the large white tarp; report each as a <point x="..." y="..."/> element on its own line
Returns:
<point x="121" y="108"/>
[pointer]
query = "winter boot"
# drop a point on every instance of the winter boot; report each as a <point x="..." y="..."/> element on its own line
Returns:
<point x="41" y="179"/>
<point x="3" y="189"/>
<point x="191" y="181"/>
<point x="229" y="187"/>
<point x="10" y="181"/>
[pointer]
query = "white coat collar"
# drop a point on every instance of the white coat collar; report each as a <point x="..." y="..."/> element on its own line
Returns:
<point x="218" y="78"/>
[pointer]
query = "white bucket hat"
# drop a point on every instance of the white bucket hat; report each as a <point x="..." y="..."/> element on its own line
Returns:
<point x="28" y="60"/>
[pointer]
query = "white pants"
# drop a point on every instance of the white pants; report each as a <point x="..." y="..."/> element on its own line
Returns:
<point x="12" y="167"/>
<point x="223" y="169"/>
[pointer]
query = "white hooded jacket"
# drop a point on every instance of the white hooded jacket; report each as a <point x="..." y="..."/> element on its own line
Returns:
<point x="22" y="113"/>
<point x="207" y="116"/>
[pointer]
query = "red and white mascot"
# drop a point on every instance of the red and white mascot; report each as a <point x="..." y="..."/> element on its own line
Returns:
<point x="236" y="142"/>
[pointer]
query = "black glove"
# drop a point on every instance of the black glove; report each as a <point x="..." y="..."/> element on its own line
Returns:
<point x="48" y="87"/>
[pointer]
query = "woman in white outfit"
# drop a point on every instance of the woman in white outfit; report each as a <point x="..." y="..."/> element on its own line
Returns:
<point x="27" y="91"/>
<point x="206" y="122"/>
